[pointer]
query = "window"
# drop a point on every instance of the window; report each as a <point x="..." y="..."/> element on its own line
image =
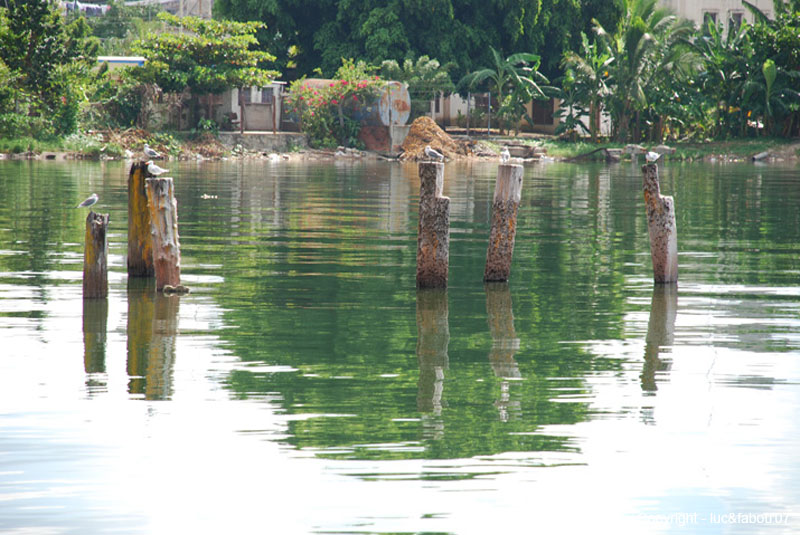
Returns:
<point x="709" y="16"/>
<point x="266" y="95"/>
<point x="735" y="20"/>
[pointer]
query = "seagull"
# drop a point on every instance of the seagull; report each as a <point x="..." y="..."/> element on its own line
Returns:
<point x="155" y="170"/>
<point x="88" y="202"/>
<point x="433" y="155"/>
<point x="505" y="155"/>
<point x="652" y="157"/>
<point x="150" y="153"/>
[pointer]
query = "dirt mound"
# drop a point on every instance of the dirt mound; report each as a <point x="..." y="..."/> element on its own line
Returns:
<point x="424" y="131"/>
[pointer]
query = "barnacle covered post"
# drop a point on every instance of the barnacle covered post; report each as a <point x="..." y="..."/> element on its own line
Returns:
<point x="507" y="193"/>
<point x="661" y="225"/>
<point x="164" y="228"/>
<point x="433" y="237"/>
<point x="95" y="257"/>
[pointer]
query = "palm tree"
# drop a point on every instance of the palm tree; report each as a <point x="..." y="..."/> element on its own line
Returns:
<point x="518" y="73"/>
<point x="590" y="75"/>
<point x="645" y="47"/>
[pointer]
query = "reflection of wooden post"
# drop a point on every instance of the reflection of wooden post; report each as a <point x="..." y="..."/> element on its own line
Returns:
<point x="140" y="241"/>
<point x="95" y="257"/>
<point x="507" y="193"/>
<point x="95" y="320"/>
<point x="661" y="226"/>
<point x="660" y="332"/>
<point x="139" y="332"/>
<point x="433" y="337"/>
<point x="504" y="344"/>
<point x="164" y="227"/>
<point x="161" y="360"/>
<point x="433" y="237"/>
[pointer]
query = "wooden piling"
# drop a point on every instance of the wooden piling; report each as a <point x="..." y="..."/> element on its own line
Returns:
<point x="661" y="226"/>
<point x="164" y="229"/>
<point x="433" y="237"/>
<point x="507" y="193"/>
<point x="140" y="240"/>
<point x="95" y="257"/>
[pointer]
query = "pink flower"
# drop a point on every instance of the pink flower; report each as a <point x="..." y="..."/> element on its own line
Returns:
<point x="344" y="82"/>
<point x="331" y="84"/>
<point x="333" y="101"/>
<point x="312" y="113"/>
<point x="355" y="97"/>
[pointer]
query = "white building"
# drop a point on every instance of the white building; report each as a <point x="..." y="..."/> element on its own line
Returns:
<point x="720" y="11"/>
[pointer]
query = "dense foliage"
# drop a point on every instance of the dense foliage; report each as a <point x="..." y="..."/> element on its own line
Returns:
<point x="45" y="67"/>
<point x="321" y="32"/>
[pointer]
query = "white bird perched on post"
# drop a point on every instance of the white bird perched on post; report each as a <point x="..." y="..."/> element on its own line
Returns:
<point x="88" y="202"/>
<point x="150" y="153"/>
<point x="155" y="170"/>
<point x="505" y="156"/>
<point x="433" y="155"/>
<point x="652" y="157"/>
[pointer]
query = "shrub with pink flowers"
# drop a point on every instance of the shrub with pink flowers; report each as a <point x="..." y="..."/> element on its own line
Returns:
<point x="326" y="110"/>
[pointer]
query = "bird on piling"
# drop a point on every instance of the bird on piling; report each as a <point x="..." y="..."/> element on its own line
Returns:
<point x="433" y="154"/>
<point x="150" y="153"/>
<point x="88" y="202"/>
<point x="652" y="157"/>
<point x="155" y="170"/>
<point x="505" y="156"/>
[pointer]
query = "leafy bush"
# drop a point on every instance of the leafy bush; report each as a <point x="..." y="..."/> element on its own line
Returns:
<point x="327" y="111"/>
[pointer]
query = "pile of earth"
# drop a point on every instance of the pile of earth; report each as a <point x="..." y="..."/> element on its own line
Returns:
<point x="423" y="132"/>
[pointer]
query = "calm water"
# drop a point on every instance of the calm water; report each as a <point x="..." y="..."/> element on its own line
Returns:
<point x="305" y="386"/>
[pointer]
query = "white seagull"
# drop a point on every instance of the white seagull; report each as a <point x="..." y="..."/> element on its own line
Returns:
<point x="505" y="156"/>
<point x="150" y="153"/>
<point x="652" y="157"/>
<point x="88" y="202"/>
<point x="155" y="170"/>
<point x="433" y="155"/>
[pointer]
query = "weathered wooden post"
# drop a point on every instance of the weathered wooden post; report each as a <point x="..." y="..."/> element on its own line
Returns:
<point x="433" y="337"/>
<point x="164" y="228"/>
<point x="95" y="257"/>
<point x="140" y="240"/>
<point x="661" y="226"/>
<point x="433" y="236"/>
<point x="507" y="193"/>
<point x="660" y="333"/>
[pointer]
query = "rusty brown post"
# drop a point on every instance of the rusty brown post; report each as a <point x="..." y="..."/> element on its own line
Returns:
<point x="95" y="257"/>
<point x="164" y="227"/>
<point x="433" y="237"/>
<point x="140" y="241"/>
<point x="661" y="226"/>
<point x="507" y="193"/>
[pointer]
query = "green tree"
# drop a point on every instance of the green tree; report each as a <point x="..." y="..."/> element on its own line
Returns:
<point x="515" y="76"/>
<point x="646" y="46"/>
<point x="425" y="78"/>
<point x="208" y="56"/>
<point x="590" y="77"/>
<point x="48" y="60"/>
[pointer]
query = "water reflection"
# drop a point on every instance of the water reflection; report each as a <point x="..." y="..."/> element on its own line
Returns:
<point x="505" y="344"/>
<point x="660" y="333"/>
<point x="95" y="321"/>
<point x="152" y="333"/>
<point x="433" y="337"/>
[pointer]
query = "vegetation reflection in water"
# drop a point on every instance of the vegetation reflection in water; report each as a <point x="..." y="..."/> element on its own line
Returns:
<point x="316" y="267"/>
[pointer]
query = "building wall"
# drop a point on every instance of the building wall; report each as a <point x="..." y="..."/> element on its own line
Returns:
<point x="695" y="10"/>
